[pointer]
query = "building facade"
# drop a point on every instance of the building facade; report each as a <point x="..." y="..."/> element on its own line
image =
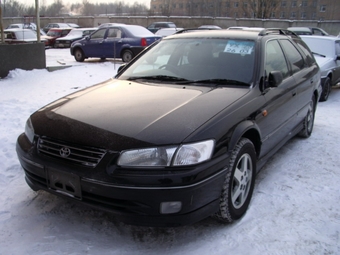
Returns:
<point x="262" y="9"/>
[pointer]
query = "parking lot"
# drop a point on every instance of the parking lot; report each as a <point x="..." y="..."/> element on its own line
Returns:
<point x="294" y="210"/>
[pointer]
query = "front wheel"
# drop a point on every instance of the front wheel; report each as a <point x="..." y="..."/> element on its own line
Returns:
<point x="326" y="89"/>
<point x="239" y="182"/>
<point x="127" y="56"/>
<point x="79" y="55"/>
<point x="308" y="122"/>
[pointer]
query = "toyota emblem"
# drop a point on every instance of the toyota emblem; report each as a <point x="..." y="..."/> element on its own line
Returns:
<point x="65" y="152"/>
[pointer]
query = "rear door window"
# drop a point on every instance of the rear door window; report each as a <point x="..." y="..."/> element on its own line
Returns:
<point x="293" y="55"/>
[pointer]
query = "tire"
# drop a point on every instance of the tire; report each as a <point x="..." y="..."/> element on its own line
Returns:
<point x="239" y="182"/>
<point x="326" y="90"/>
<point x="127" y="56"/>
<point x="308" y="122"/>
<point x="79" y="55"/>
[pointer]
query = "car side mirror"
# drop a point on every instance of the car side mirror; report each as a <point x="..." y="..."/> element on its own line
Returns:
<point x="275" y="78"/>
<point x="121" y="68"/>
<point x="337" y="57"/>
<point x="87" y="38"/>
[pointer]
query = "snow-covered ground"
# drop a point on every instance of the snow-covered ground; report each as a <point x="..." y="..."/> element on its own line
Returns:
<point x="295" y="207"/>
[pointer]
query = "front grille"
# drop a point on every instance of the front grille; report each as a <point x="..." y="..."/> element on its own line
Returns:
<point x="79" y="155"/>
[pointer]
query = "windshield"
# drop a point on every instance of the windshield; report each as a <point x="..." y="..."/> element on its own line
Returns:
<point x="220" y="61"/>
<point x="53" y="33"/>
<point x="74" y="33"/>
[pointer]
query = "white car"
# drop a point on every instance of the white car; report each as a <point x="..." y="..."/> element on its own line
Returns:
<point x="326" y="50"/>
<point x="168" y="31"/>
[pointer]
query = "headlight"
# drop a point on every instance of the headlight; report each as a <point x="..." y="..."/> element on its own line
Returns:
<point x="187" y="154"/>
<point x="29" y="130"/>
<point x="194" y="153"/>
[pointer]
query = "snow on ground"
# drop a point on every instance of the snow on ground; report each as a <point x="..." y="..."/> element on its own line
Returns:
<point x="295" y="207"/>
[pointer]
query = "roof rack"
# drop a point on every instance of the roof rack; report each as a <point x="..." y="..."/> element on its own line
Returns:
<point x="280" y="31"/>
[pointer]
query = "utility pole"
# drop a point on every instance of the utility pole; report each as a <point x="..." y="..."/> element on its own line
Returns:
<point x="37" y="19"/>
<point x="1" y="26"/>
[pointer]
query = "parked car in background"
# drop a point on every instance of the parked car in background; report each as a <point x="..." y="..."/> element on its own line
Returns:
<point x="155" y="26"/>
<point x="30" y="25"/>
<point x="55" y="33"/>
<point x="308" y="30"/>
<point x="73" y="25"/>
<point x="209" y="27"/>
<point x="55" y="25"/>
<point x="326" y="51"/>
<point x="181" y="131"/>
<point x="74" y="35"/>
<point x="167" y="31"/>
<point x="19" y="35"/>
<point x="116" y="41"/>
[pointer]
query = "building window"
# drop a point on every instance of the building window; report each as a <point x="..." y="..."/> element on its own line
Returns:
<point x="303" y="15"/>
<point x="245" y="4"/>
<point x="272" y="15"/>
<point x="227" y="4"/>
<point x="322" y="8"/>
<point x="282" y="15"/>
<point x="294" y="3"/>
<point x="293" y="15"/>
<point x="283" y="4"/>
<point x="304" y="3"/>
<point x="313" y="15"/>
<point x="315" y="3"/>
<point x="236" y="4"/>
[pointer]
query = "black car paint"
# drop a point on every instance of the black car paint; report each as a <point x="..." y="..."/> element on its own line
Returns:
<point x="267" y="116"/>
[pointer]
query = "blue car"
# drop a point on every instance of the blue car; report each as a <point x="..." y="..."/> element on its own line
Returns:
<point x="113" y="41"/>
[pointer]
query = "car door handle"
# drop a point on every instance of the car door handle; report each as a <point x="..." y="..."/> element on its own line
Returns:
<point x="294" y="93"/>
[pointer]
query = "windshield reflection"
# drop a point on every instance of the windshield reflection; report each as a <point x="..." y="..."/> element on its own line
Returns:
<point x="192" y="59"/>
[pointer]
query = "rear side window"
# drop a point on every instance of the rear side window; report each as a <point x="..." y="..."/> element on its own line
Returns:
<point x="304" y="48"/>
<point x="293" y="56"/>
<point x="275" y="59"/>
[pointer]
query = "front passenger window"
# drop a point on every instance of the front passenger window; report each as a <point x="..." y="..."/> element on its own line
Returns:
<point x="275" y="60"/>
<point x="99" y="34"/>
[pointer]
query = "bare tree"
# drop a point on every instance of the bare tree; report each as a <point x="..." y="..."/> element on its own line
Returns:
<point x="261" y="9"/>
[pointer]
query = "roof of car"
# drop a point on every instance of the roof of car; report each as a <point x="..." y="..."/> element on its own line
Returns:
<point x="17" y="29"/>
<point x="163" y="22"/>
<point x="60" y="28"/>
<point x="321" y="37"/>
<point x="239" y="34"/>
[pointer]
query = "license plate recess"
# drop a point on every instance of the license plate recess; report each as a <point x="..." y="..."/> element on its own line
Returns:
<point x="65" y="183"/>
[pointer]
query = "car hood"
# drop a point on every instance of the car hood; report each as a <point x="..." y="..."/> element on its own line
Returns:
<point x="118" y="115"/>
<point x="322" y="61"/>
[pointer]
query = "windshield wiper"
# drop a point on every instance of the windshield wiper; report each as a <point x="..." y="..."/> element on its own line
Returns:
<point x="315" y="53"/>
<point x="218" y="82"/>
<point x="157" y="77"/>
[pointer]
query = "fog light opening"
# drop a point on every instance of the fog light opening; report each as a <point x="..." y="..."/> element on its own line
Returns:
<point x="170" y="207"/>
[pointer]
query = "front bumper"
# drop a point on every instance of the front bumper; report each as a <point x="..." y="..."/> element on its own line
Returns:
<point x="134" y="196"/>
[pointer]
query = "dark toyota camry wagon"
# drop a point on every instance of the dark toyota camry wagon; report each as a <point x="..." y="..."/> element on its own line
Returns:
<point x="181" y="131"/>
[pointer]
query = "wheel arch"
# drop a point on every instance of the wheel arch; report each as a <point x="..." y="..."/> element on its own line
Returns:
<point x="76" y="48"/>
<point x="247" y="129"/>
<point x="124" y="48"/>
